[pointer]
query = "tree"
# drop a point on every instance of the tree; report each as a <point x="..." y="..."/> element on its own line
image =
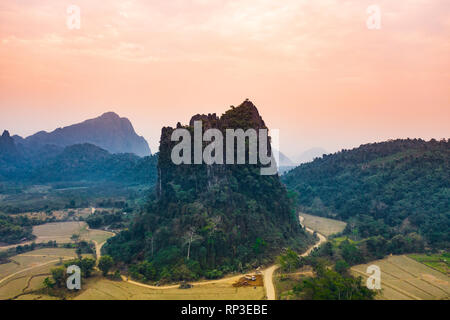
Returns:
<point x="150" y="236"/>
<point x="59" y="276"/>
<point x="86" y="265"/>
<point x="75" y="237"/>
<point x="289" y="261"/>
<point x="78" y="251"/>
<point x="190" y="237"/>
<point x="330" y="285"/>
<point x="117" y="275"/>
<point x="49" y="283"/>
<point x="341" y="267"/>
<point x="105" y="264"/>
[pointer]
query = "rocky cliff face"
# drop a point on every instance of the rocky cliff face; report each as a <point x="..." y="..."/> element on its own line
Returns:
<point x="108" y="131"/>
<point x="231" y="215"/>
<point x="8" y="148"/>
<point x="7" y="143"/>
<point x="245" y="116"/>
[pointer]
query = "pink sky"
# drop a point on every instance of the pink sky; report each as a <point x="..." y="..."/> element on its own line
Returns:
<point x="313" y="68"/>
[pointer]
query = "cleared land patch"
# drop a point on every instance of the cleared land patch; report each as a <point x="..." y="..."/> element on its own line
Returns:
<point x="57" y="231"/>
<point x="324" y="226"/>
<point x="61" y="232"/>
<point x="439" y="262"/>
<point x="285" y="282"/>
<point x="403" y="278"/>
<point x="104" y="289"/>
<point x="26" y="271"/>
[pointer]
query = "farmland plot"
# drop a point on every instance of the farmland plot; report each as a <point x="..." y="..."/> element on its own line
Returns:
<point x="403" y="278"/>
<point x="26" y="271"/>
<point x="323" y="226"/>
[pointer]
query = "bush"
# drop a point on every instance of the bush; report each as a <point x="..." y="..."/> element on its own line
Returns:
<point x="105" y="264"/>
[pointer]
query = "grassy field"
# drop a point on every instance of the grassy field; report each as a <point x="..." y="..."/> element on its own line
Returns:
<point x="285" y="282"/>
<point x="26" y="271"/>
<point x="99" y="236"/>
<point x="403" y="278"/>
<point x="324" y="226"/>
<point x="99" y="288"/>
<point x="439" y="262"/>
<point x="62" y="231"/>
<point x="58" y="231"/>
<point x="104" y="289"/>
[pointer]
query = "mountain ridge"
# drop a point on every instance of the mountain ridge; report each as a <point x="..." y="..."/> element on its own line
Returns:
<point x="108" y="131"/>
<point x="390" y="189"/>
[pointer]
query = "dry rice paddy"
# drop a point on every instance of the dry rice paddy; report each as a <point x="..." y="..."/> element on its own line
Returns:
<point x="324" y="226"/>
<point x="26" y="271"/>
<point x="403" y="278"/>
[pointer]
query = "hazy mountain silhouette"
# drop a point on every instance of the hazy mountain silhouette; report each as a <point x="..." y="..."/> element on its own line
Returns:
<point x="309" y="155"/>
<point x="109" y="132"/>
<point x="284" y="160"/>
<point x="7" y="145"/>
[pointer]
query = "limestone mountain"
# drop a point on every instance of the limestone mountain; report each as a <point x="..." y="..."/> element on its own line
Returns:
<point x="75" y="153"/>
<point x="109" y="132"/>
<point x="10" y="157"/>
<point x="209" y="219"/>
<point x="7" y="146"/>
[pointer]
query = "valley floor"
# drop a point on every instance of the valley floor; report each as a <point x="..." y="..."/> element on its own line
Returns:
<point x="402" y="277"/>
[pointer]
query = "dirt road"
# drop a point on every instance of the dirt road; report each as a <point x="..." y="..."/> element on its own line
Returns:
<point x="230" y="280"/>
<point x="268" y="273"/>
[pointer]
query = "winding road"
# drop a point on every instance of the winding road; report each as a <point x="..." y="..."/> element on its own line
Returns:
<point x="268" y="273"/>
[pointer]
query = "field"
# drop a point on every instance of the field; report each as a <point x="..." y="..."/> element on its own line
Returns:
<point x="62" y="232"/>
<point x="439" y="262"/>
<point x="57" y="215"/>
<point x="323" y="226"/>
<point x="99" y="288"/>
<point x="403" y="278"/>
<point x="58" y="231"/>
<point x="98" y="236"/>
<point x="26" y="271"/>
<point x="285" y="282"/>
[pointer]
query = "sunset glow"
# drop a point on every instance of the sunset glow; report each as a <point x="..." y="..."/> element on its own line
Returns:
<point x="313" y="68"/>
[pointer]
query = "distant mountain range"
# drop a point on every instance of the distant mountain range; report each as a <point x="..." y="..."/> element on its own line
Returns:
<point x="102" y="149"/>
<point x="86" y="162"/>
<point x="309" y="155"/>
<point x="306" y="156"/>
<point x="285" y="163"/>
<point x="109" y="132"/>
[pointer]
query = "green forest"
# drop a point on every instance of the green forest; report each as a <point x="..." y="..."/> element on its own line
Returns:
<point x="396" y="192"/>
<point x="15" y="229"/>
